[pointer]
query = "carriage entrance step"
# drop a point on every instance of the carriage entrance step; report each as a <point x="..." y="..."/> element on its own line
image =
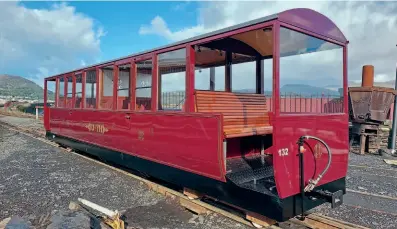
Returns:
<point x="252" y="172"/>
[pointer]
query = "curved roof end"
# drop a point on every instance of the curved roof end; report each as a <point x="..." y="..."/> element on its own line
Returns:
<point x="313" y="21"/>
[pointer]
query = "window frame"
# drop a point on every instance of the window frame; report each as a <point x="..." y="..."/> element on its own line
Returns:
<point x="344" y="72"/>
<point x="159" y="85"/>
<point x="259" y="80"/>
<point x="75" y="76"/>
<point x="129" y="96"/>
<point x="96" y="89"/>
<point x="58" y="89"/>
<point x="134" y="86"/>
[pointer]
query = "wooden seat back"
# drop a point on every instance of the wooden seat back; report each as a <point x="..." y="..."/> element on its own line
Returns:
<point x="243" y="114"/>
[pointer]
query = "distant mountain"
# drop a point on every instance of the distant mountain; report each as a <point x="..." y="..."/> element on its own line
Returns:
<point x="301" y="90"/>
<point x="18" y="86"/>
<point x="332" y="87"/>
<point x="307" y="90"/>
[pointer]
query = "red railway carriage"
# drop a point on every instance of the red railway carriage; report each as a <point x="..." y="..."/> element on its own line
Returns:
<point x="241" y="147"/>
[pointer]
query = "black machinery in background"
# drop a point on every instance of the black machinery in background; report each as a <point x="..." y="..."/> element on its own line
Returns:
<point x="369" y="107"/>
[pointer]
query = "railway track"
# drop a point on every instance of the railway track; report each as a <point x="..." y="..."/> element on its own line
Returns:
<point x="202" y="205"/>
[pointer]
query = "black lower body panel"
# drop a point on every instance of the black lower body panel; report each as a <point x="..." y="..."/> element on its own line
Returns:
<point x="228" y="192"/>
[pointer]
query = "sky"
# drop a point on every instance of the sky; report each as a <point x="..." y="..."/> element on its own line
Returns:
<point x="40" y="39"/>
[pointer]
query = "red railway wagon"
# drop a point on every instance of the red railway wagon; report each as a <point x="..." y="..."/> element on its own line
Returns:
<point x="233" y="146"/>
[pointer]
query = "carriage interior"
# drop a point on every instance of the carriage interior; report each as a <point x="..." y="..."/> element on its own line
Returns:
<point x="246" y="111"/>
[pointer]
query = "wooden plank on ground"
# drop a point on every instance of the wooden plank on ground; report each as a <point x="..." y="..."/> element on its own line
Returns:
<point x="4" y="222"/>
<point x="191" y="194"/>
<point x="198" y="209"/>
<point x="260" y="219"/>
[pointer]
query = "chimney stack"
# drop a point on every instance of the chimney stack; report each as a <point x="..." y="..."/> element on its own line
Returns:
<point x="368" y="76"/>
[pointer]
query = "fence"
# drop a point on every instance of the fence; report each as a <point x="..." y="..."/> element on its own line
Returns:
<point x="293" y="103"/>
<point x="289" y="103"/>
<point x="172" y="100"/>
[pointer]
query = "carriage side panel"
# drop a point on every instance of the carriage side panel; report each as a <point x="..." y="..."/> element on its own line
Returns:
<point x="330" y="128"/>
<point x="191" y="142"/>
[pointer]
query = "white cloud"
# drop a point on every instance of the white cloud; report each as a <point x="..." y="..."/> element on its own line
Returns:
<point x="159" y="27"/>
<point x="381" y="78"/>
<point x="83" y="63"/>
<point x="37" y="43"/>
<point x="371" y="28"/>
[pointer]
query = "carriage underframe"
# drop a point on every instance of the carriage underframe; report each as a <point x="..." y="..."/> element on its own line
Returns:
<point x="248" y="200"/>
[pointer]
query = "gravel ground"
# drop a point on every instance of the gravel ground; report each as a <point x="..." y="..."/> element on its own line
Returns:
<point x="369" y="174"/>
<point x="22" y="122"/>
<point x="37" y="181"/>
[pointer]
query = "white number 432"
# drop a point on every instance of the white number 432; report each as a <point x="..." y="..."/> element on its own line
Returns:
<point x="283" y="152"/>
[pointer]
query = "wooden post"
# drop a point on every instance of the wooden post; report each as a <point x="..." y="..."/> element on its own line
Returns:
<point x="363" y="143"/>
<point x="65" y="90"/>
<point x="133" y="77"/>
<point x="45" y="108"/>
<point x="98" y="83"/>
<point x="45" y="93"/>
<point x="190" y="67"/>
<point x="212" y="79"/>
<point x="83" y="82"/>
<point x="115" y="85"/>
<point x="56" y="92"/>
<point x="159" y="91"/>
<point x="228" y="71"/>
<point x="276" y="69"/>
<point x="73" y="90"/>
<point x="154" y="83"/>
<point x="259" y="76"/>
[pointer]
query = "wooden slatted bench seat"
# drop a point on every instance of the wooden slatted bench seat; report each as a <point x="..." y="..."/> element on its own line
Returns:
<point x="243" y="114"/>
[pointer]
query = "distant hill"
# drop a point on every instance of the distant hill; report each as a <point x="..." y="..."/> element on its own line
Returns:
<point x="307" y="90"/>
<point x="301" y="90"/>
<point x="20" y="87"/>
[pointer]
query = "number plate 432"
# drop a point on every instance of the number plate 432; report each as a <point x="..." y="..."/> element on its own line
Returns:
<point x="283" y="152"/>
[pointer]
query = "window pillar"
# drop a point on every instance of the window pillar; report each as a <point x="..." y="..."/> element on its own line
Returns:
<point x="56" y="92"/>
<point x="190" y="68"/>
<point x="133" y="85"/>
<point x="65" y="90"/>
<point x="259" y="76"/>
<point x="83" y="81"/>
<point x="155" y="83"/>
<point x="228" y="71"/>
<point x="115" y="86"/>
<point x="73" y="90"/>
<point x="212" y="79"/>
<point x="45" y="93"/>
<point x="98" y="86"/>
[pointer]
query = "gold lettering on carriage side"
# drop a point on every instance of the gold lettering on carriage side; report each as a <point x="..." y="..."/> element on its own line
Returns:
<point x="99" y="128"/>
<point x="317" y="150"/>
<point x="141" y="135"/>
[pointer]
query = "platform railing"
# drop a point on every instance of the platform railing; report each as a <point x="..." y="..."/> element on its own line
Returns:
<point x="313" y="103"/>
<point x="289" y="102"/>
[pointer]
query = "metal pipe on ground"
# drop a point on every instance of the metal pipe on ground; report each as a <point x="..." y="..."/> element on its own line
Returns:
<point x="394" y="126"/>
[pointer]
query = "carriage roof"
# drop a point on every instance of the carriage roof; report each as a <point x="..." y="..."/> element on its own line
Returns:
<point x="302" y="18"/>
